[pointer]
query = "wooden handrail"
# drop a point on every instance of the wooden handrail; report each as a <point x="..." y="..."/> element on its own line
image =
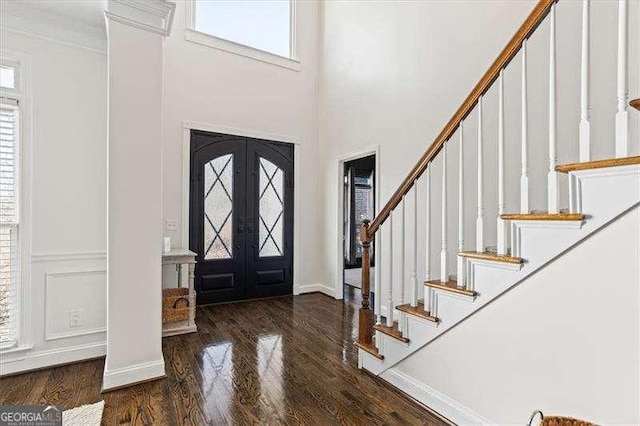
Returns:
<point x="508" y="53"/>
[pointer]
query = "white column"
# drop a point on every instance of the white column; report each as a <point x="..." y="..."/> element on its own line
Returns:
<point x="402" y="260"/>
<point x="524" y="175"/>
<point x="622" y="116"/>
<point x="585" y="125"/>
<point x="390" y="307"/>
<point x="134" y="225"/>
<point x="377" y="275"/>
<point x="444" y="258"/>
<point x="414" y="255"/>
<point x="427" y="237"/>
<point x="480" y="220"/>
<point x="460" y="261"/>
<point x="501" y="224"/>
<point x="552" y="175"/>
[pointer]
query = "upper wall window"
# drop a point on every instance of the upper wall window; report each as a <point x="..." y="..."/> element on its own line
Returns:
<point x="264" y="25"/>
<point x="262" y="30"/>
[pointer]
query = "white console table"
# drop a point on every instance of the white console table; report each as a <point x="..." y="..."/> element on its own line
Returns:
<point x="181" y="257"/>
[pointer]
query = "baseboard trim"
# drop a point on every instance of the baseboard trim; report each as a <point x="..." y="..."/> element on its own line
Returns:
<point x="133" y="374"/>
<point x="29" y="361"/>
<point x="317" y="287"/>
<point x="435" y="400"/>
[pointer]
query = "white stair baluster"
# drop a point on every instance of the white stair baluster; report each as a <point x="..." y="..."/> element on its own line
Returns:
<point x="501" y="224"/>
<point x="427" y="259"/>
<point x="585" y="125"/>
<point x="402" y="261"/>
<point x="444" y="258"/>
<point x="460" y="261"/>
<point x="622" y="116"/>
<point x="414" y="255"/>
<point x="390" y="307"/>
<point x="552" y="175"/>
<point x="480" y="219"/>
<point x="377" y="276"/>
<point x="524" y="176"/>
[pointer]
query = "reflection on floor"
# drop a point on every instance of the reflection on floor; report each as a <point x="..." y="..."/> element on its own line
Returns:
<point x="277" y="361"/>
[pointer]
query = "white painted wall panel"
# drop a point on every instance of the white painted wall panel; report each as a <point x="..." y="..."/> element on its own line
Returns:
<point x="68" y="202"/>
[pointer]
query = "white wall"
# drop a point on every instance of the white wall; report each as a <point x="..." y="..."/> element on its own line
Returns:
<point x="68" y="202"/>
<point x="214" y="87"/>
<point x="565" y="340"/>
<point x="393" y="73"/>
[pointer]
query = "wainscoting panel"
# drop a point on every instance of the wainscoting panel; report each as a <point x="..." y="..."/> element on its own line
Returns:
<point x="82" y="291"/>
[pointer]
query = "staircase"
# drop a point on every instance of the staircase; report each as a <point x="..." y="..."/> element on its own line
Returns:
<point x="599" y="192"/>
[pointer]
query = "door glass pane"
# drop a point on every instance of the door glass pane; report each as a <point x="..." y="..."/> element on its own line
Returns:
<point x="271" y="209"/>
<point x="363" y="208"/>
<point x="218" y="208"/>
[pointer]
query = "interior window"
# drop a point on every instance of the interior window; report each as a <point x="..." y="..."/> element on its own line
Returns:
<point x="263" y="25"/>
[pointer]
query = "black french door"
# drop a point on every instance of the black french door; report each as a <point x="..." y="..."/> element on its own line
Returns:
<point x="241" y="217"/>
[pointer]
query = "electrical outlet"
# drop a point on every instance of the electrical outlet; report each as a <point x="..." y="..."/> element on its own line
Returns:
<point x="171" y="225"/>
<point x="75" y="318"/>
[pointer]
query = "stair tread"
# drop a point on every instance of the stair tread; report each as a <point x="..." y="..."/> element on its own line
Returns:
<point x="543" y="216"/>
<point x="391" y="331"/>
<point x="370" y="348"/>
<point x="487" y="255"/>
<point x="451" y="286"/>
<point x="598" y="164"/>
<point x="417" y="311"/>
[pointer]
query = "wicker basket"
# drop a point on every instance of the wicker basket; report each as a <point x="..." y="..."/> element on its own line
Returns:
<point x="556" y="420"/>
<point x="175" y="305"/>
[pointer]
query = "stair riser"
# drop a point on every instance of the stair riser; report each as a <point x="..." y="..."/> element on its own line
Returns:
<point x="538" y="241"/>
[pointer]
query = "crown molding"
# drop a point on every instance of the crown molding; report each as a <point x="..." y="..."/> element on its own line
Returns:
<point x="149" y="15"/>
<point x="20" y="18"/>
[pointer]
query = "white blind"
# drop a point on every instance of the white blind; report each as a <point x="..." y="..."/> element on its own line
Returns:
<point x="9" y="222"/>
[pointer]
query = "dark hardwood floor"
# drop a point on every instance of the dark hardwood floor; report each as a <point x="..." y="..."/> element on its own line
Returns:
<point x="276" y="361"/>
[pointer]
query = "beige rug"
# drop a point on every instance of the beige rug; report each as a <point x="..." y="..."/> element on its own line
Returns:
<point x="85" y="415"/>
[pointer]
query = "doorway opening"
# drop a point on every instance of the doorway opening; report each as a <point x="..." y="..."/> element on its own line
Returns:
<point x="358" y="204"/>
<point x="241" y="217"/>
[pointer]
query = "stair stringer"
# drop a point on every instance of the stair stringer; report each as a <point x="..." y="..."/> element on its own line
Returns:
<point x="603" y="194"/>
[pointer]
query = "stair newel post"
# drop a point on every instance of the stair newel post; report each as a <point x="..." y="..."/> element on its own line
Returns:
<point x="501" y="225"/>
<point x="622" y="116"/>
<point x="427" y="250"/>
<point x="460" y="260"/>
<point x="414" y="255"/>
<point x="444" y="257"/>
<point x="585" y="125"/>
<point x="524" y="163"/>
<point x="390" y="307"/>
<point x="552" y="175"/>
<point x="480" y="218"/>
<point x="365" y="331"/>
<point x="402" y="260"/>
<point x="377" y="293"/>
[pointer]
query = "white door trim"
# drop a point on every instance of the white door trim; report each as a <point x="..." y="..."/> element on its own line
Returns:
<point x="187" y="126"/>
<point x="371" y="150"/>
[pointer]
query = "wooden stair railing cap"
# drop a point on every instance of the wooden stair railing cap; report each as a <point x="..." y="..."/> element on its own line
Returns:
<point x="598" y="164"/>
<point x="635" y="103"/>
<point x="537" y="15"/>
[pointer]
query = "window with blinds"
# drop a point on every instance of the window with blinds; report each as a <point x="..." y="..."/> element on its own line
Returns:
<point x="9" y="220"/>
